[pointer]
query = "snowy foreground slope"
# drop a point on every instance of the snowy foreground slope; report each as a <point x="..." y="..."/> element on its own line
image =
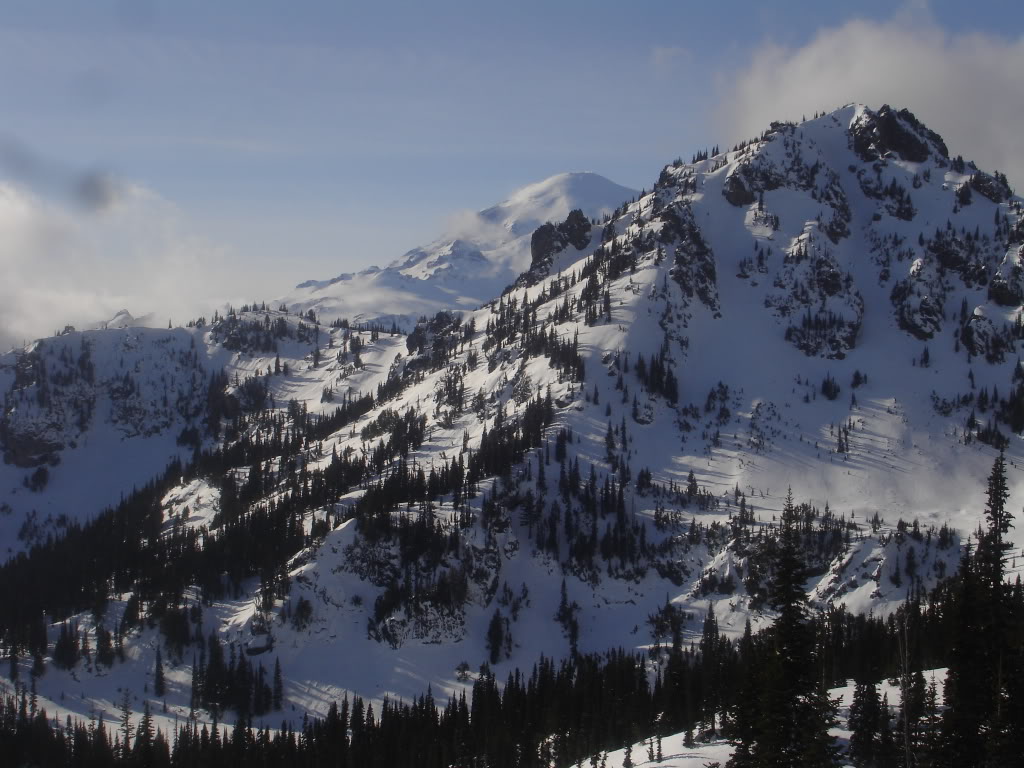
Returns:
<point x="676" y="754"/>
<point x="833" y="307"/>
<point x="481" y="254"/>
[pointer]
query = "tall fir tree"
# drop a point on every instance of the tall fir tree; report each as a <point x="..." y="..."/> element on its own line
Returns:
<point x="992" y="545"/>
<point x="967" y="682"/>
<point x="278" y="691"/>
<point x="982" y="724"/>
<point x="865" y="724"/>
<point x="159" y="685"/>
<point x="796" y="713"/>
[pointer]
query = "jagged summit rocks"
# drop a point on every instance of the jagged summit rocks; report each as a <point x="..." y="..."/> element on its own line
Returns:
<point x="895" y="133"/>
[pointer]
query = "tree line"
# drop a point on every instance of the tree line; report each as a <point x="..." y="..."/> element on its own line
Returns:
<point x="765" y="692"/>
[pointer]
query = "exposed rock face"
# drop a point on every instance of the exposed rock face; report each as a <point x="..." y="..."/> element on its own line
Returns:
<point x="817" y="298"/>
<point x="549" y="240"/>
<point x="890" y="132"/>
<point x="1007" y="285"/>
<point x="736" y="190"/>
<point x="694" y="269"/>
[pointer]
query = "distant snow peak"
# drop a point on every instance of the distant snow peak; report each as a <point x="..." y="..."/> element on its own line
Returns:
<point x="123" y="319"/>
<point x="479" y="255"/>
<point x="553" y="199"/>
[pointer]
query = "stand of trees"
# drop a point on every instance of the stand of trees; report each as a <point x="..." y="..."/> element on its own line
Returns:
<point x="767" y="693"/>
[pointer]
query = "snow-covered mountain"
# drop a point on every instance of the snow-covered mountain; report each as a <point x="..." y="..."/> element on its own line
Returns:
<point x="579" y="464"/>
<point x="125" y="319"/>
<point x="480" y="255"/>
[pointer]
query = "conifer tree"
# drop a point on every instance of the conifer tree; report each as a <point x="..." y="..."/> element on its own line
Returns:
<point x="278" y="695"/>
<point x="983" y="682"/>
<point x="496" y="636"/>
<point x="796" y="712"/>
<point x="967" y="682"/>
<point x="992" y="546"/>
<point x="126" y="722"/>
<point x="930" y="745"/>
<point x="865" y="724"/>
<point x="159" y="686"/>
<point x="746" y="711"/>
<point x="886" y="755"/>
<point x="144" y="737"/>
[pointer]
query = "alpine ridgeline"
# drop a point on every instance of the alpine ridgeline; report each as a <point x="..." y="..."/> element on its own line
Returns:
<point x="585" y="462"/>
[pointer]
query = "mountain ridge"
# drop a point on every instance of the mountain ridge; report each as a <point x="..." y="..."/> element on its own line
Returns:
<point x="820" y="308"/>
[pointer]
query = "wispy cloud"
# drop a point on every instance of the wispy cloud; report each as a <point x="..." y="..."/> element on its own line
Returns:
<point x="470" y="225"/>
<point x="667" y="60"/>
<point x="92" y="190"/>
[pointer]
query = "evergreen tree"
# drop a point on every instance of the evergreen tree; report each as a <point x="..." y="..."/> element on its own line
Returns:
<point x="143" y="749"/>
<point x="496" y="636"/>
<point x="865" y="724"/>
<point x="278" y="695"/>
<point x="159" y="686"/>
<point x="992" y="546"/>
<point x="968" y="682"/>
<point x="886" y="755"/>
<point x="746" y="710"/>
<point x="126" y="722"/>
<point x="983" y="682"/>
<point x="796" y="713"/>
<point x="929" y="748"/>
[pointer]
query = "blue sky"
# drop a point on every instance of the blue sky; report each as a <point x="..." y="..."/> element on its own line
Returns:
<point x="273" y="142"/>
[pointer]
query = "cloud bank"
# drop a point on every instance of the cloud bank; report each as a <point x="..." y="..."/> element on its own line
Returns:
<point x="966" y="87"/>
<point x="62" y="263"/>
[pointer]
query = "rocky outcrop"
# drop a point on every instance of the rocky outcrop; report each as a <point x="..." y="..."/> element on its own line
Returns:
<point x="887" y="132"/>
<point x="550" y="239"/>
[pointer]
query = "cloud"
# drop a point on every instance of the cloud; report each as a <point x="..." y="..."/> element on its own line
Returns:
<point x="471" y="225"/>
<point x="966" y="87"/>
<point x="666" y="60"/>
<point x="92" y="190"/>
<point x="62" y="265"/>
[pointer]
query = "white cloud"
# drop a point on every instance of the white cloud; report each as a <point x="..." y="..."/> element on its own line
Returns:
<point x="667" y="60"/>
<point x="60" y="265"/>
<point x="470" y="225"/>
<point x="966" y="87"/>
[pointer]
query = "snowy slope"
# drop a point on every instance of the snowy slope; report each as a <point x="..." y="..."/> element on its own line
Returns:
<point x="675" y="753"/>
<point x="840" y="257"/>
<point x="90" y="415"/>
<point x="470" y="264"/>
